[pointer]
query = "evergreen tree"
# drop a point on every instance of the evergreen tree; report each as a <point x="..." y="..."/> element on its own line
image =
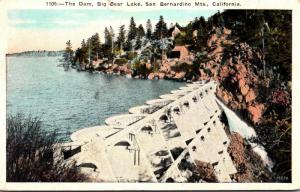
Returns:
<point x="67" y="55"/>
<point x="202" y="22"/>
<point x="195" y="23"/>
<point x="148" y="29"/>
<point x="112" y="34"/>
<point x="78" y="57"/>
<point x="138" y="42"/>
<point x="161" y="29"/>
<point x="108" y="37"/>
<point x="121" y="38"/>
<point x="107" y="43"/>
<point x="201" y="39"/>
<point x="95" y="46"/>
<point x="132" y="32"/>
<point x="189" y="33"/>
<point x="89" y="51"/>
<point x="202" y="34"/>
<point x="221" y="21"/>
<point x="111" y="31"/>
<point x="84" y="52"/>
<point x="127" y="45"/>
<point x="141" y="31"/>
<point x="215" y="18"/>
<point x="83" y="44"/>
<point x="81" y="54"/>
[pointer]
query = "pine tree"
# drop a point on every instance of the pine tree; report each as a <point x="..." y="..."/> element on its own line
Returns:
<point x="108" y="37"/>
<point x="68" y="55"/>
<point x="138" y="42"/>
<point x="127" y="45"/>
<point x="95" y="46"/>
<point x="148" y="29"/>
<point x="161" y="29"/>
<point x="107" y="43"/>
<point x="89" y="51"/>
<point x="141" y="31"/>
<point x="83" y="44"/>
<point x="84" y="51"/>
<point x="111" y="31"/>
<point x="81" y="54"/>
<point x="132" y="32"/>
<point x="112" y="34"/>
<point x="202" y="22"/>
<point x="121" y="38"/>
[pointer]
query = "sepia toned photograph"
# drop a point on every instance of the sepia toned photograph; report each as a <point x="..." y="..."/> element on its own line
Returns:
<point x="153" y="96"/>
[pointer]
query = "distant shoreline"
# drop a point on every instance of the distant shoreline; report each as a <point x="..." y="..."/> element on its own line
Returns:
<point x="40" y="53"/>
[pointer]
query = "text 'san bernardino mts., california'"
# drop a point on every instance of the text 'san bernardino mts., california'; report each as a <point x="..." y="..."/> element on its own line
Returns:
<point x="150" y="4"/>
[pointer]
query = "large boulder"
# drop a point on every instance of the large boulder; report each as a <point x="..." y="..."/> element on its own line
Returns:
<point x="242" y="83"/>
<point x="235" y="105"/>
<point x="161" y="75"/>
<point x="244" y="90"/>
<point x="250" y="96"/>
<point x="124" y="69"/>
<point x="114" y="66"/>
<point x="151" y="76"/>
<point x="211" y="40"/>
<point x="179" y="75"/>
<point x="216" y="51"/>
<point x="255" y="112"/>
<point x="226" y="31"/>
<point x="224" y="72"/>
<point x="224" y="95"/>
<point x="148" y="65"/>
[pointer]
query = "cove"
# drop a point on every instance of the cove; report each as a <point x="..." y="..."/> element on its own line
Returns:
<point x="71" y="100"/>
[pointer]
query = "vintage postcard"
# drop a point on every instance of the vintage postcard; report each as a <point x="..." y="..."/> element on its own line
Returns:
<point x="149" y="95"/>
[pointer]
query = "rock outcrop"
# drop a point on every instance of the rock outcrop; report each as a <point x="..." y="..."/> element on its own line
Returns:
<point x="234" y="65"/>
<point x="249" y="165"/>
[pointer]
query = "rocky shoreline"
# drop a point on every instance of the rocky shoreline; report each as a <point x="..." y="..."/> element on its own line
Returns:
<point x="238" y="69"/>
<point x="229" y="64"/>
<point x="162" y="74"/>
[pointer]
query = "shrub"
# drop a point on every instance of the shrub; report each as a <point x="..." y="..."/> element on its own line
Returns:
<point x="29" y="153"/>
<point x="182" y="38"/>
<point x="139" y="68"/>
<point x="121" y="61"/>
<point x="207" y="71"/>
<point x="280" y="97"/>
<point x="156" y="66"/>
<point x="131" y="55"/>
<point x="178" y="67"/>
<point x="135" y="64"/>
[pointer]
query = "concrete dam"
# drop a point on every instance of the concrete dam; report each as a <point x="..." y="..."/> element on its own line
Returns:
<point x="161" y="141"/>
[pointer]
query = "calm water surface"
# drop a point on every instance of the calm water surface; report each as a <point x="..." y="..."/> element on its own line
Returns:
<point x="70" y="100"/>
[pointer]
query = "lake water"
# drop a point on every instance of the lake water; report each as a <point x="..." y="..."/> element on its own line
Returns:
<point x="70" y="100"/>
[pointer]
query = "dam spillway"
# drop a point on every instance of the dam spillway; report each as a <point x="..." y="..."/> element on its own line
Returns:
<point x="161" y="141"/>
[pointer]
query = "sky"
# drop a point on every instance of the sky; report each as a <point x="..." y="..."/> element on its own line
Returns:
<point x="33" y="29"/>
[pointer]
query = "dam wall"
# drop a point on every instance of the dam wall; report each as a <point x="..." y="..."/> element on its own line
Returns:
<point x="163" y="140"/>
